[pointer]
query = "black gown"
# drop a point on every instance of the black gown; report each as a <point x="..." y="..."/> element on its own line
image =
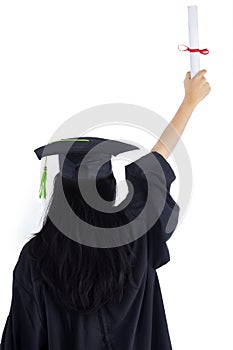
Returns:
<point x="37" y="322"/>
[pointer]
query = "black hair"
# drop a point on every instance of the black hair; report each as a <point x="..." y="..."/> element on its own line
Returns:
<point x="81" y="277"/>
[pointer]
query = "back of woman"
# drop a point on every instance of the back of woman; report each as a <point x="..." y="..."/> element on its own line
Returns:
<point x="70" y="295"/>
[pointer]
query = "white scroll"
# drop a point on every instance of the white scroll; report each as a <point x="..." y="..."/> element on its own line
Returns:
<point x="193" y="39"/>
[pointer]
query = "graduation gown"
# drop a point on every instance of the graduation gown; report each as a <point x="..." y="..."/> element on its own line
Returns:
<point x="37" y="322"/>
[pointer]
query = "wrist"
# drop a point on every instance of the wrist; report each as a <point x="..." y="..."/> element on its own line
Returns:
<point x="189" y="103"/>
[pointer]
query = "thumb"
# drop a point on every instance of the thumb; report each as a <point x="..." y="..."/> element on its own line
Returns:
<point x="188" y="75"/>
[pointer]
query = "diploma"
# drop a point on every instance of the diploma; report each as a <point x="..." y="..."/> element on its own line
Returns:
<point x="193" y="39"/>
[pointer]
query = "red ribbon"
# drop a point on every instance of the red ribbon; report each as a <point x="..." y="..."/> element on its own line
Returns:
<point x="203" y="51"/>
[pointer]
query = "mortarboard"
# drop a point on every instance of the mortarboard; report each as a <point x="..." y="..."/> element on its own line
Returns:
<point x="71" y="152"/>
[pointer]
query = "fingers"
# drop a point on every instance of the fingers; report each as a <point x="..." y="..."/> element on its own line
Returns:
<point x="207" y="86"/>
<point x="197" y="81"/>
<point x="200" y="74"/>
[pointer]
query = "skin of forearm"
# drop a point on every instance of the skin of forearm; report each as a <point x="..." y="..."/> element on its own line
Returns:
<point x="174" y="130"/>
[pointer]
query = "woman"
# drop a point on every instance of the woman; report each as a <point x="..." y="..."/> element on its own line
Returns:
<point x="71" y="296"/>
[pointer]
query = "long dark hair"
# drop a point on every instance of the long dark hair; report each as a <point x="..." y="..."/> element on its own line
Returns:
<point x="81" y="277"/>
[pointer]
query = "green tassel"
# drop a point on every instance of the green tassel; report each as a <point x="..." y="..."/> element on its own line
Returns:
<point x="43" y="181"/>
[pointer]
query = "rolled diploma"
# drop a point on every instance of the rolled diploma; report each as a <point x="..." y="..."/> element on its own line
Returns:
<point x="193" y="39"/>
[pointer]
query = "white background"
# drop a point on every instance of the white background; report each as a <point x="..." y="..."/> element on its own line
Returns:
<point x="61" y="57"/>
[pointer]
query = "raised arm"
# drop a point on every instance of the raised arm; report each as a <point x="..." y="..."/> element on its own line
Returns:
<point x="196" y="89"/>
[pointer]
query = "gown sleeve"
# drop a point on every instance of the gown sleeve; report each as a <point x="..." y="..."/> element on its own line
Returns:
<point x="166" y="224"/>
<point x="23" y="328"/>
<point x="163" y="212"/>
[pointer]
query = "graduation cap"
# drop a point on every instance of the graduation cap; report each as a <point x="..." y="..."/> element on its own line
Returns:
<point x="71" y="152"/>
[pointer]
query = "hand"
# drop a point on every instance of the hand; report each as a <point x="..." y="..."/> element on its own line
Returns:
<point x="197" y="88"/>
